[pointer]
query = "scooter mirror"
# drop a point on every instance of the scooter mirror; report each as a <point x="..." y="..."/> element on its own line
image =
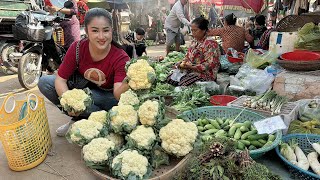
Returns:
<point x="68" y="4"/>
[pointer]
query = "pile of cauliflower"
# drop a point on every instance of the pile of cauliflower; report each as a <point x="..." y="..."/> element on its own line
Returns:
<point x="141" y="75"/>
<point x="132" y="138"/>
<point x="75" y="100"/>
<point x="123" y="118"/>
<point x="83" y="131"/>
<point x="178" y="137"/>
<point x="130" y="163"/>
<point x="142" y="138"/>
<point x="98" y="152"/>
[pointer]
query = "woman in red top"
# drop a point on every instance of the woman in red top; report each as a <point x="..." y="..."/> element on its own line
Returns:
<point x="232" y="36"/>
<point x="202" y="60"/>
<point x="101" y="61"/>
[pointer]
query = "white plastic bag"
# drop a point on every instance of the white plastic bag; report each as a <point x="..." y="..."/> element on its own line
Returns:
<point x="177" y="75"/>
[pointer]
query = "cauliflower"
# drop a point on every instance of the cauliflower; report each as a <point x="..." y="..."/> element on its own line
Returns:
<point x="141" y="75"/>
<point x="83" y="131"/>
<point x="123" y="118"/>
<point x="97" y="153"/>
<point x="178" y="137"/>
<point x="99" y="116"/>
<point x="76" y="100"/>
<point x="117" y="139"/>
<point x="129" y="98"/>
<point x="148" y="112"/>
<point x="131" y="164"/>
<point x="142" y="138"/>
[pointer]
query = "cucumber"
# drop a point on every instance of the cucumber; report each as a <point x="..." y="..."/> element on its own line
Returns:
<point x="269" y="143"/>
<point x="252" y="147"/>
<point x="206" y="138"/>
<point x="215" y="124"/>
<point x="252" y="128"/>
<point x="245" y="135"/>
<point x="211" y="131"/>
<point x="238" y="134"/>
<point x="262" y="141"/>
<point x="200" y="128"/>
<point x="199" y="121"/>
<point x="256" y="144"/>
<point x="244" y="129"/>
<point x="271" y="137"/>
<point x="240" y="145"/>
<point x="247" y="124"/>
<point x="209" y="126"/>
<point x="245" y="142"/>
<point x="196" y="123"/>
<point x="232" y="130"/>
<point x="205" y="121"/>
<point x="220" y="132"/>
<point x="238" y="125"/>
<point x="257" y="137"/>
<point x="226" y="123"/>
<point x="220" y="121"/>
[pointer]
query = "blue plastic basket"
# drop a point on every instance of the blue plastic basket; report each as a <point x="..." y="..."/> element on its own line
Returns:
<point x="302" y="140"/>
<point x="232" y="112"/>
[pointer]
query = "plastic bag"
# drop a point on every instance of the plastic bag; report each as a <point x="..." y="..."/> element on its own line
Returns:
<point x="309" y="110"/>
<point x="177" y="75"/>
<point x="261" y="82"/>
<point x="224" y="62"/>
<point x="252" y="79"/>
<point x="209" y="86"/>
<point x="257" y="60"/>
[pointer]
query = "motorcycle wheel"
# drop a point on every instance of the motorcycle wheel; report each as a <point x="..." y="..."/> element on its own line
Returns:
<point x="28" y="74"/>
<point x="5" y="52"/>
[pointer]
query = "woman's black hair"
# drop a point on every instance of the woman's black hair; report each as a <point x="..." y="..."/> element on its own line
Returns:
<point x="260" y="19"/>
<point x="231" y="19"/>
<point x="201" y="22"/>
<point x="99" y="12"/>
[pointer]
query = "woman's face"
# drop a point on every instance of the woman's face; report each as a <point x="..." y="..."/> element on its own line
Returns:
<point x="196" y="32"/>
<point x="256" y="25"/>
<point x="99" y="33"/>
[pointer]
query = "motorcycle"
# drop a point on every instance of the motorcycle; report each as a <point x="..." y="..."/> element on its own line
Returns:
<point x="44" y="50"/>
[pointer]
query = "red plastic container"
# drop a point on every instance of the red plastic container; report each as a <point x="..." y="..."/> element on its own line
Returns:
<point x="221" y="100"/>
<point x="300" y="56"/>
<point x="236" y="60"/>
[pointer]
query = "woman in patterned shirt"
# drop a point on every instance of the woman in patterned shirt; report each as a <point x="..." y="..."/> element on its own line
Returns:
<point x="202" y="60"/>
<point x="232" y="36"/>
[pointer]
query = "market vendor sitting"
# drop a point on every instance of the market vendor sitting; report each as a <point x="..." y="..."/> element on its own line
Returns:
<point x="232" y="36"/>
<point x="202" y="59"/>
<point x="135" y="43"/>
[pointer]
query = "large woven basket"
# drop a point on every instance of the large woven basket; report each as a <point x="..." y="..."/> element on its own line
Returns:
<point x="162" y="173"/>
<point x="299" y="65"/>
<point x="292" y="23"/>
<point x="304" y="141"/>
<point x="231" y="112"/>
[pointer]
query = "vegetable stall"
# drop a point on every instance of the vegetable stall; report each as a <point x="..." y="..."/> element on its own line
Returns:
<point x="158" y="131"/>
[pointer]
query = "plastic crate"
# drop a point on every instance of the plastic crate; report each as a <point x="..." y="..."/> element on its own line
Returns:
<point x="232" y="112"/>
<point x="288" y="112"/>
<point x="303" y="141"/>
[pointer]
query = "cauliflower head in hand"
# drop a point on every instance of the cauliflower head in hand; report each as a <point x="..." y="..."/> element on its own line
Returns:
<point x="75" y="100"/>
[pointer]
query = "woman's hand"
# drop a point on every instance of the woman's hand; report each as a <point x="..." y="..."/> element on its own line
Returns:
<point x="52" y="9"/>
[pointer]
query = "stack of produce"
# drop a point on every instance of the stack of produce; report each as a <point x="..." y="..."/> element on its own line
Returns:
<point x="293" y="153"/>
<point x="268" y="101"/>
<point x="308" y="121"/>
<point x="218" y="159"/>
<point x="244" y="133"/>
<point x="134" y="137"/>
